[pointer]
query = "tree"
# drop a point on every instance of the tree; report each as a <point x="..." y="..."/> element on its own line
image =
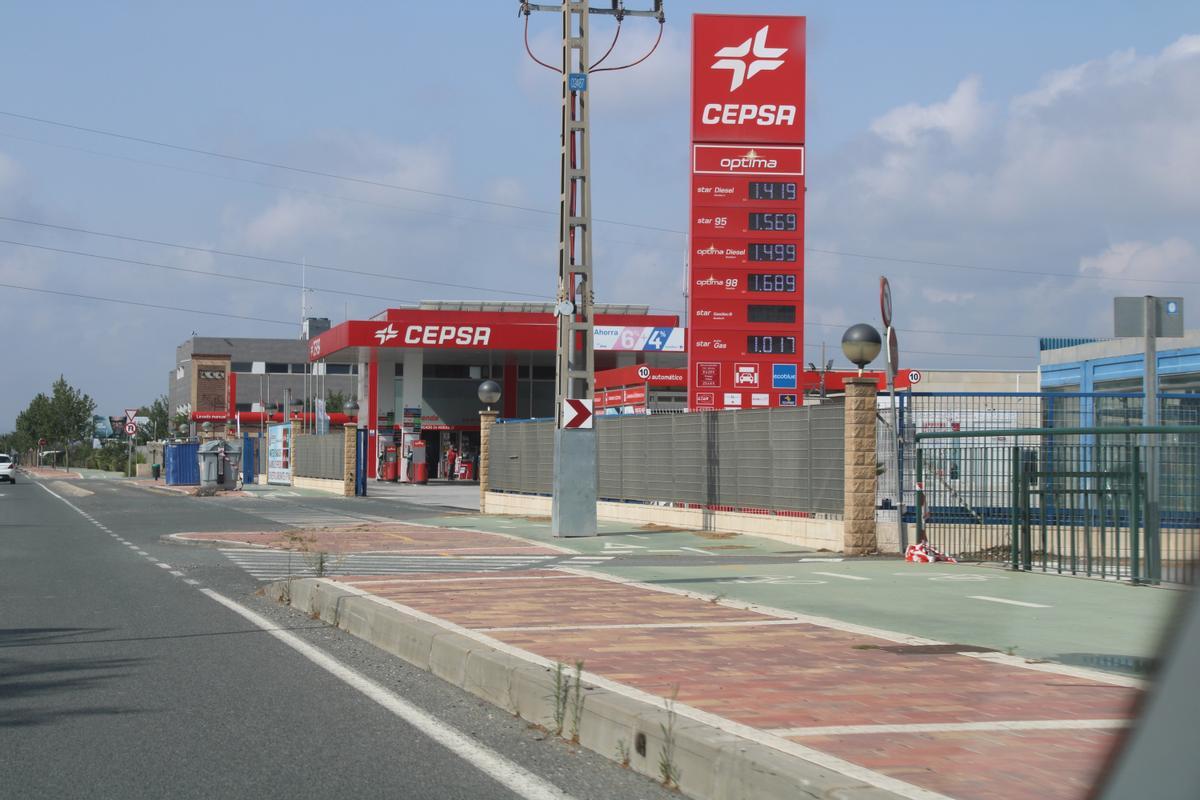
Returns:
<point x="72" y="412"/>
<point x="160" y="420"/>
<point x="335" y="403"/>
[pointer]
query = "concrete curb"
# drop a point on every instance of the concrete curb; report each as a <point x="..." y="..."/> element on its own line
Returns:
<point x="712" y="763"/>
<point x="176" y="538"/>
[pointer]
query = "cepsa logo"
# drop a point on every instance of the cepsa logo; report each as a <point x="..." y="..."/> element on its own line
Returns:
<point x="748" y="78"/>
<point x="463" y="336"/>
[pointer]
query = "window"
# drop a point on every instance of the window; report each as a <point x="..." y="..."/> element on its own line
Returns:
<point x="299" y="369"/>
<point x="344" y="369"/>
<point x="244" y="407"/>
<point x="274" y="368"/>
<point x="242" y="366"/>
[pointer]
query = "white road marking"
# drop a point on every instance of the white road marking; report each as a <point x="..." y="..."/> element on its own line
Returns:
<point x="951" y="727"/>
<point x="472" y="579"/>
<point x="177" y="573"/>
<point x="161" y="565"/>
<point x="696" y="550"/>
<point x="140" y="552"/>
<point x="510" y="775"/>
<point x="827" y="560"/>
<point x="191" y="581"/>
<point x="1007" y="602"/>
<point x="843" y="576"/>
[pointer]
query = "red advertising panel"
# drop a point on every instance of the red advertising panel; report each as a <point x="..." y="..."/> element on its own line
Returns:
<point x="746" y="294"/>
<point x="748" y="79"/>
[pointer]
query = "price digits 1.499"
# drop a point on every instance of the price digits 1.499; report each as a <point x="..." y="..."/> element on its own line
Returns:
<point x="764" y="251"/>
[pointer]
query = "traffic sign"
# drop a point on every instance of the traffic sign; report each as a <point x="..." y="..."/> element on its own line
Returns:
<point x="914" y="376"/>
<point x="885" y="301"/>
<point x="644" y="372"/>
<point x="893" y="352"/>
<point x="131" y="428"/>
<point x="576" y="413"/>
<point x="130" y="414"/>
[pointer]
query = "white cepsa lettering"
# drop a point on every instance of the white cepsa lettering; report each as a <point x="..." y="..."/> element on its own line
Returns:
<point x="447" y="334"/>
<point x="741" y="114"/>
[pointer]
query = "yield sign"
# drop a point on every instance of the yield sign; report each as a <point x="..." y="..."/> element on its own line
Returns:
<point x="577" y="413"/>
<point x="130" y="413"/>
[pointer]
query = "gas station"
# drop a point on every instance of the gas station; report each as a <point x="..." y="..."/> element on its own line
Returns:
<point x="419" y="369"/>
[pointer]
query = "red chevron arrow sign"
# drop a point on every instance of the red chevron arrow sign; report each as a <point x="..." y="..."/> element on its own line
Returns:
<point x="577" y="413"/>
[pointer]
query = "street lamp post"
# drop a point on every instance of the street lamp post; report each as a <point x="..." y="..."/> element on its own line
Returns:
<point x="861" y="344"/>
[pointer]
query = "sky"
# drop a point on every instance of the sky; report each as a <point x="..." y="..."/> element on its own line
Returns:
<point x="1049" y="152"/>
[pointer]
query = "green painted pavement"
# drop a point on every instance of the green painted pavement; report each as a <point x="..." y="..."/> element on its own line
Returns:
<point x="1102" y="625"/>
<point x="620" y="538"/>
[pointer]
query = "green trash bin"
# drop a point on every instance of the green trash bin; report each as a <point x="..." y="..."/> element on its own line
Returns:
<point x="155" y="470"/>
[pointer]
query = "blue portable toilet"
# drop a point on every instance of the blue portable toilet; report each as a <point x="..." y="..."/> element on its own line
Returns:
<point x="182" y="467"/>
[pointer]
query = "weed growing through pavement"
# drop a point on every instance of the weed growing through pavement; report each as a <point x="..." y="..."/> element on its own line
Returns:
<point x="562" y="691"/>
<point x="668" y="771"/>
<point x="577" y="704"/>
<point x="622" y="753"/>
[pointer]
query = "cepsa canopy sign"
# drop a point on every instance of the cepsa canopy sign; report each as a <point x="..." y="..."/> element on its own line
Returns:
<point x="748" y="79"/>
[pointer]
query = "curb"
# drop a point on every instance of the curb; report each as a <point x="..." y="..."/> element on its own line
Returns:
<point x="175" y="538"/>
<point x="712" y="763"/>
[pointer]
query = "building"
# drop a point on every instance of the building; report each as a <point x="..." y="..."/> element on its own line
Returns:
<point x="1117" y="365"/>
<point x="218" y="379"/>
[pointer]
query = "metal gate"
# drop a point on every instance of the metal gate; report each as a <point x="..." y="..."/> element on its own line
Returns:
<point x="1121" y="503"/>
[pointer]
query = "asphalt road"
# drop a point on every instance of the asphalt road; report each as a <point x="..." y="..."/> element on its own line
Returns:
<point x="122" y="676"/>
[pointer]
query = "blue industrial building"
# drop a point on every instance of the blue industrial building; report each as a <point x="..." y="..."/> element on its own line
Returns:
<point x="1115" y="365"/>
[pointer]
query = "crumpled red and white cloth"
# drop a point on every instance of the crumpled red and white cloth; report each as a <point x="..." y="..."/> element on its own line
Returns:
<point x="925" y="553"/>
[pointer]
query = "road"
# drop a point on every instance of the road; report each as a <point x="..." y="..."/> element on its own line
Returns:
<point x="131" y="667"/>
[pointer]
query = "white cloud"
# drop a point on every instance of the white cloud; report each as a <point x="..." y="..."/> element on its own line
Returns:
<point x="959" y="118"/>
<point x="1171" y="260"/>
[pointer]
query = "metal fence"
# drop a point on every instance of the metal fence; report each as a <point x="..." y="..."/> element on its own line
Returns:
<point x="1073" y="500"/>
<point x="322" y="456"/>
<point x="784" y="460"/>
<point x="932" y="412"/>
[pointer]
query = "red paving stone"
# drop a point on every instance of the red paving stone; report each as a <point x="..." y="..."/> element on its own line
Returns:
<point x="381" y="539"/>
<point x="802" y="675"/>
<point x="993" y="765"/>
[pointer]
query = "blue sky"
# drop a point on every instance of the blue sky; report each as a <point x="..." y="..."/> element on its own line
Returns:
<point x="1052" y="137"/>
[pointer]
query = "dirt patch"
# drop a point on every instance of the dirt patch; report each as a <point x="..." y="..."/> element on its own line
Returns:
<point x="70" y="489"/>
<point x="716" y="534"/>
<point x="651" y="526"/>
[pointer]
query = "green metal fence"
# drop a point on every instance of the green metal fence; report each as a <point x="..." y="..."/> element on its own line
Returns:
<point x="1120" y="503"/>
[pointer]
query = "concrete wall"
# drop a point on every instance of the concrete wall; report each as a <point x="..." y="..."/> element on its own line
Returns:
<point x="812" y="532"/>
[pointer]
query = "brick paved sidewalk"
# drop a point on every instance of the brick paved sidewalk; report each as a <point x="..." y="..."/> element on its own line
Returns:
<point x="979" y="726"/>
<point x="47" y="473"/>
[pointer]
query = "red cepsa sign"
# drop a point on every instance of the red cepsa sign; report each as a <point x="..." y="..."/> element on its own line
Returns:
<point x="748" y="79"/>
<point x="746" y="302"/>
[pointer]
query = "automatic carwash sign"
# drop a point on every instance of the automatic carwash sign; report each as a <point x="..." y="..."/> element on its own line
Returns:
<point x="746" y="264"/>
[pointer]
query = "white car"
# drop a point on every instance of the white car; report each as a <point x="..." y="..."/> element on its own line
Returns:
<point x="8" y="469"/>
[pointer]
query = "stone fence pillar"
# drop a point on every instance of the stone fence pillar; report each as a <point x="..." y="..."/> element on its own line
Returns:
<point x="859" y="489"/>
<point x="350" y="454"/>
<point x="487" y="418"/>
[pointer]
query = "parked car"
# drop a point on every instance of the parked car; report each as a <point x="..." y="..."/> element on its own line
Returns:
<point x="8" y="469"/>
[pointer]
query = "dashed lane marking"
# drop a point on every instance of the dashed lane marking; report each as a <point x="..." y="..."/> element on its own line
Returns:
<point x="843" y="576"/>
<point x="1007" y="602"/>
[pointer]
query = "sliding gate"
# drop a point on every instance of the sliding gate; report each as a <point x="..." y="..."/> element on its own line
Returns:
<point x="1119" y="503"/>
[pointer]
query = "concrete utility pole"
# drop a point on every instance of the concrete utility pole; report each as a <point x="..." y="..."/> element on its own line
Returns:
<point x="574" y="504"/>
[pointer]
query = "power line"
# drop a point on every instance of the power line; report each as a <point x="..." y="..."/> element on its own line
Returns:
<point x="306" y="171"/>
<point x="205" y="273"/>
<point x="547" y="212"/>
<point x="442" y="215"/>
<point x="291" y="323"/>
<point x="266" y="259"/>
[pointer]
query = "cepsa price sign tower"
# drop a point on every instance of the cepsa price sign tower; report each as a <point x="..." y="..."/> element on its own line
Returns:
<point x="746" y="269"/>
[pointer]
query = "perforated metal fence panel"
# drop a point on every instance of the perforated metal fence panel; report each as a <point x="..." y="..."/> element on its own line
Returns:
<point x="320" y="456"/>
<point x="769" y="460"/>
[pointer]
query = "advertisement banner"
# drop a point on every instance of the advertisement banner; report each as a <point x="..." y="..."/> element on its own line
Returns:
<point x="279" y="454"/>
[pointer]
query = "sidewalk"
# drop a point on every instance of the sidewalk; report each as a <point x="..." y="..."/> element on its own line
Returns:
<point x="763" y="695"/>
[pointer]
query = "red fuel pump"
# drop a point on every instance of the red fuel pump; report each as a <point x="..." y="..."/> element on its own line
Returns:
<point x="389" y="464"/>
<point x="420" y="469"/>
